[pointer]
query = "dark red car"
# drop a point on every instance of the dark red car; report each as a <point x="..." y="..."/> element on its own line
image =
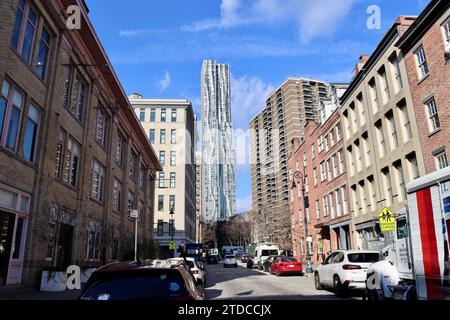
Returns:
<point x="148" y="280"/>
<point x="285" y="265"/>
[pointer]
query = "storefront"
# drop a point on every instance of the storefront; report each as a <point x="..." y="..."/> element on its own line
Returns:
<point x="14" y="208"/>
<point x="341" y="235"/>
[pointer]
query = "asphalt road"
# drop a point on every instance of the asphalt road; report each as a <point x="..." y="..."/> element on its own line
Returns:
<point x="241" y="283"/>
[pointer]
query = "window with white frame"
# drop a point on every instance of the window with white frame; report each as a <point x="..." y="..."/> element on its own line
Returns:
<point x="172" y="179"/>
<point x="133" y="166"/>
<point x="315" y="177"/>
<point x="395" y="69"/>
<point x="433" y="116"/>
<point x="332" y="205"/>
<point x="101" y="127"/>
<point x="173" y="136"/>
<point x="392" y="130"/>
<point x="173" y="158"/>
<point x="406" y="124"/>
<point x="93" y="243"/>
<point x="318" y="209"/>
<point x="344" y="200"/>
<point x="441" y="160"/>
<point x="422" y="65"/>
<point x="323" y="173"/>
<point x="325" y="206"/>
<point x="67" y="159"/>
<point x="320" y="143"/>
<point x="304" y="160"/>
<point x="117" y="196"/>
<point x="446" y="33"/>
<point x="335" y="166"/>
<point x="313" y="152"/>
<point x="337" y="195"/>
<point x="98" y="181"/>
<point x="31" y="134"/>
<point x="341" y="161"/>
<point x="120" y="147"/>
<point x="161" y="180"/>
<point x="374" y="96"/>
<point x="11" y="107"/>
<point x="384" y="84"/>
<point x="162" y="158"/>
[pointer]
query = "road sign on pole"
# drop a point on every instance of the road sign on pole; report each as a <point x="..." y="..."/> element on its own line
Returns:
<point x="387" y="220"/>
<point x="172" y="245"/>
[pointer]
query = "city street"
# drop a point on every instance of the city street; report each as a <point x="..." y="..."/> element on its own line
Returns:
<point x="241" y="283"/>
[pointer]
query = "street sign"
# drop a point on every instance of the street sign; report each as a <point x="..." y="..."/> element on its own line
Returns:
<point x="134" y="213"/>
<point x="172" y="245"/>
<point x="387" y="220"/>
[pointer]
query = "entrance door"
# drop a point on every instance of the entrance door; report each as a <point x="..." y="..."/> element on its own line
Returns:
<point x="6" y="234"/>
<point x="65" y="245"/>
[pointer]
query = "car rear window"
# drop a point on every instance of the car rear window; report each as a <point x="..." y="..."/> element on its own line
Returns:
<point x="288" y="260"/>
<point x="363" y="257"/>
<point x="138" y="286"/>
<point x="266" y="253"/>
<point x="191" y="264"/>
<point x="229" y="257"/>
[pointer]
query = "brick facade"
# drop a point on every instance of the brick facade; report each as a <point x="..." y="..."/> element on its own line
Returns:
<point x="86" y="231"/>
<point x="429" y="33"/>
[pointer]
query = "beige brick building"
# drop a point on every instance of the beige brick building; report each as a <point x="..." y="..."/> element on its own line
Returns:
<point x="170" y="126"/>
<point x="381" y="138"/>
<point x="73" y="156"/>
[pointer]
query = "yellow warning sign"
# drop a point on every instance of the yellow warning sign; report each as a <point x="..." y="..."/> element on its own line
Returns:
<point x="387" y="220"/>
<point x="172" y="245"/>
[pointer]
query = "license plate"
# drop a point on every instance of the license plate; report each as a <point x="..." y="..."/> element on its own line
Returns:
<point x="291" y="266"/>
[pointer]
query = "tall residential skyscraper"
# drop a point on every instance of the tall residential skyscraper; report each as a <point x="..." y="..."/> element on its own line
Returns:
<point x="218" y="179"/>
<point x="287" y="110"/>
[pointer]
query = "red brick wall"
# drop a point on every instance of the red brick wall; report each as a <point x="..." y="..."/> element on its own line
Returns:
<point x="437" y="82"/>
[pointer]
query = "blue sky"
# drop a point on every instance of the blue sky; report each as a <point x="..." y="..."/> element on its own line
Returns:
<point x="157" y="47"/>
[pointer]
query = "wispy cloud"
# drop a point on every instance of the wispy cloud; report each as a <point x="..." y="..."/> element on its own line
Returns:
<point x="312" y="18"/>
<point x="142" y="32"/>
<point x="164" y="82"/>
<point x="243" y="204"/>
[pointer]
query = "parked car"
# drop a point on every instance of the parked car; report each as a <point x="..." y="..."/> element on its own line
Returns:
<point x="197" y="268"/>
<point x="267" y="262"/>
<point x="212" y="260"/>
<point x="262" y="252"/>
<point x="230" y="261"/>
<point x="250" y="262"/>
<point x="345" y="270"/>
<point x="149" y="280"/>
<point x="285" y="265"/>
<point x="244" y="258"/>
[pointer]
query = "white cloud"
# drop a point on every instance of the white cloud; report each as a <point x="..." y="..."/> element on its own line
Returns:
<point x="248" y="97"/>
<point x="164" y="83"/>
<point x="140" y="32"/>
<point x="243" y="204"/>
<point x="313" y="18"/>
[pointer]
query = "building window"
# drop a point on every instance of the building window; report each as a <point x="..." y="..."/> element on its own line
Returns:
<point x="172" y="179"/>
<point x="313" y="152"/>
<point x="152" y="136"/>
<point x="320" y="143"/>
<point x="161" y="180"/>
<point x="406" y="124"/>
<point x="305" y="161"/>
<point x="329" y="166"/>
<point x="338" y="132"/>
<point x="93" y="242"/>
<point x="441" y="160"/>
<point x="42" y="58"/>
<point x="388" y="187"/>
<point x="374" y="96"/>
<point x="335" y="165"/>
<point x="77" y="109"/>
<point x="162" y="158"/>
<point x="98" y="181"/>
<point x="366" y="149"/>
<point x="433" y="117"/>
<point x="372" y="194"/>
<point x="332" y="205"/>
<point x="422" y="64"/>
<point x="152" y="115"/>
<point x="325" y="206"/>
<point x="318" y="209"/>
<point x="173" y="160"/>
<point x="337" y="195"/>
<point x="162" y="136"/>
<point x="395" y="68"/>
<point x="161" y="203"/>
<point x="11" y="106"/>
<point x="120" y="146"/>
<point x="160" y="228"/>
<point x="323" y="174"/>
<point x="381" y="140"/>
<point x="24" y="31"/>
<point x="315" y="177"/>
<point x="393" y="131"/>
<point x="67" y="159"/>
<point x="131" y="201"/>
<point x="360" y="108"/>
<point x="173" y="136"/>
<point x="163" y="115"/>
<point x="400" y="181"/>
<point x="341" y="161"/>
<point x="31" y="133"/>
<point x="142" y="115"/>
<point x="133" y="166"/>
<point x="101" y="128"/>
<point x="384" y="84"/>
<point x="344" y="200"/>
<point x="413" y="166"/>
<point x="171" y="203"/>
<point x="117" y="196"/>
<point x="174" y="115"/>
<point x="446" y="31"/>
<point x="68" y="86"/>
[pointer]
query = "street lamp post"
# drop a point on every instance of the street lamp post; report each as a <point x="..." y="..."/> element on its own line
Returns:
<point x="172" y="229"/>
<point x="301" y="179"/>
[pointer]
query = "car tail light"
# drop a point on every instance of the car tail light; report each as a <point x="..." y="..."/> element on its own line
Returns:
<point x="195" y="271"/>
<point x="351" y="267"/>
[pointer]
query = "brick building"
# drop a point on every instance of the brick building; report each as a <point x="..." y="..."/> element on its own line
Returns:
<point x="321" y="159"/>
<point x="73" y="156"/>
<point x="381" y="138"/>
<point x="426" y="49"/>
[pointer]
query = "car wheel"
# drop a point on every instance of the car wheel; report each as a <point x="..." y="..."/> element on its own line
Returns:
<point x="337" y="286"/>
<point x="317" y="283"/>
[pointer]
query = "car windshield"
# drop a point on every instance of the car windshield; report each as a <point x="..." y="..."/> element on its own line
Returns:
<point x="191" y="264"/>
<point x="164" y="285"/>
<point x="266" y="253"/>
<point x="363" y="257"/>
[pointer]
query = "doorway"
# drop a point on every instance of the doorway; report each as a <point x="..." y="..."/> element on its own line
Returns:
<point x="64" y="248"/>
<point x="6" y="234"/>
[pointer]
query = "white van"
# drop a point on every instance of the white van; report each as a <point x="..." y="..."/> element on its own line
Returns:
<point x="262" y="252"/>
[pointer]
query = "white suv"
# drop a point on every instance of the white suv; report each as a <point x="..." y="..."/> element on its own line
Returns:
<point x="345" y="270"/>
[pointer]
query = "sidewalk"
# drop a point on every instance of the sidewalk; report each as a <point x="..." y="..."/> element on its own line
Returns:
<point x="24" y="293"/>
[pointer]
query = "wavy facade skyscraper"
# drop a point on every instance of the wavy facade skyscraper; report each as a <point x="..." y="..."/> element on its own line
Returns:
<point x="218" y="160"/>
